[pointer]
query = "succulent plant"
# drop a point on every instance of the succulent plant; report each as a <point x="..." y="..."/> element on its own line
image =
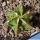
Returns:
<point x="19" y="19"/>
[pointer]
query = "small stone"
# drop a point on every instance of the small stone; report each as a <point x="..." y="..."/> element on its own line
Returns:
<point x="3" y="4"/>
<point x="37" y="29"/>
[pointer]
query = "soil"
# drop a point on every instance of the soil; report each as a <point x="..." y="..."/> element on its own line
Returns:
<point x="7" y="33"/>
